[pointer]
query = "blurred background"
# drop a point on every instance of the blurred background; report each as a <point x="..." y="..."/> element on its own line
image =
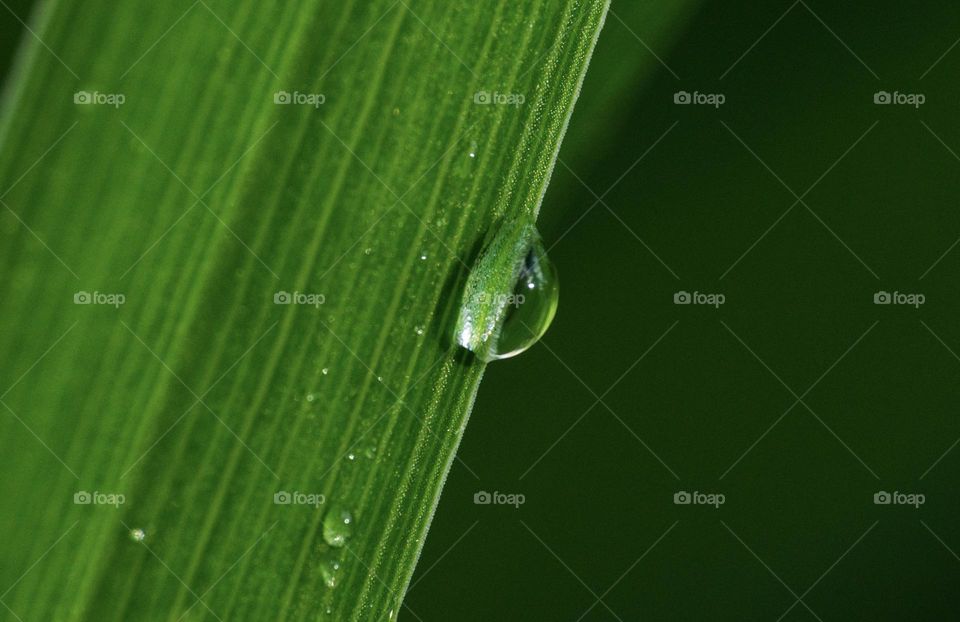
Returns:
<point x="785" y="192"/>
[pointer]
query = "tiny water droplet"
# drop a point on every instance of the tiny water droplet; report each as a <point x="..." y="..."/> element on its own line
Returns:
<point x="473" y="149"/>
<point x="137" y="535"/>
<point x="310" y="397"/>
<point x="370" y="452"/>
<point x="351" y="456"/>
<point x="379" y="378"/>
<point x="367" y="251"/>
<point x="423" y="256"/>
<point x="511" y="295"/>
<point x="329" y="570"/>
<point x="337" y="526"/>
<point x="419" y="330"/>
<point x="325" y="371"/>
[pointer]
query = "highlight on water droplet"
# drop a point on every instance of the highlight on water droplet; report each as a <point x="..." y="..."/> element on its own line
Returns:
<point x="511" y="295"/>
<point x="337" y="526"/>
<point x="137" y="535"/>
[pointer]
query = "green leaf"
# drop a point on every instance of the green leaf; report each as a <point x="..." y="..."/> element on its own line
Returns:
<point x="234" y="239"/>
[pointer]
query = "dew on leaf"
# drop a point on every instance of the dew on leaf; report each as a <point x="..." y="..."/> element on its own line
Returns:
<point x="337" y="526"/>
<point x="329" y="570"/>
<point x="511" y="295"/>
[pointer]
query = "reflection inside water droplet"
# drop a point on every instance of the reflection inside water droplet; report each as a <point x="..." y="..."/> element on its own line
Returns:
<point x="511" y="295"/>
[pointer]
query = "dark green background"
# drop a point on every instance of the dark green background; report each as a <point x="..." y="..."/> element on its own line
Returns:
<point x="799" y="502"/>
<point x="699" y="399"/>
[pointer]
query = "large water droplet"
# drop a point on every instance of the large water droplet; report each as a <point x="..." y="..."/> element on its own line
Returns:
<point x="511" y="295"/>
<point x="337" y="526"/>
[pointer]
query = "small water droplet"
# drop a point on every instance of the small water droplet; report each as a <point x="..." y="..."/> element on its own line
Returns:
<point x="351" y="456"/>
<point x="473" y="149"/>
<point x="330" y="571"/>
<point x="337" y="526"/>
<point x="310" y="397"/>
<point x="379" y="378"/>
<point x="423" y="256"/>
<point x="367" y="251"/>
<point x="325" y="371"/>
<point x="137" y="535"/>
<point x="370" y="452"/>
<point x="511" y="295"/>
<point x="419" y="330"/>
